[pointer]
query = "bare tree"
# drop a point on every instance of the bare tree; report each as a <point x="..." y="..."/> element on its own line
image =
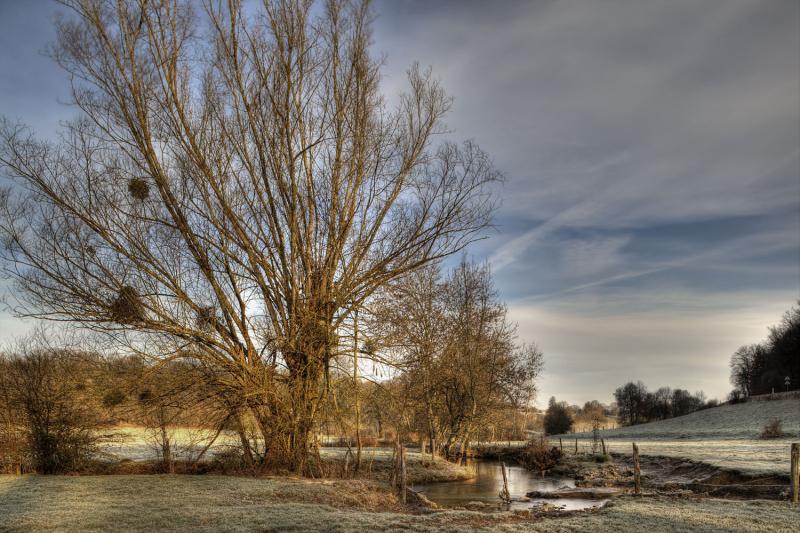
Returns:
<point x="409" y="316"/>
<point x="459" y="352"/>
<point x="235" y="191"/>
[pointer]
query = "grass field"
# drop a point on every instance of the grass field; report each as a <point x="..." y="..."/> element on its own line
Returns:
<point x="216" y="503"/>
<point x="729" y="421"/>
<point x="725" y="436"/>
<point x="136" y="444"/>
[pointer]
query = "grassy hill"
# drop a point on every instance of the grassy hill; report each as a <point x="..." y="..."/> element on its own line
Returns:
<point x="726" y="437"/>
<point x="736" y="421"/>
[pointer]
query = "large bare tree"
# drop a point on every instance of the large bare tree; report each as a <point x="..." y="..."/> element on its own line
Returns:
<point x="235" y="185"/>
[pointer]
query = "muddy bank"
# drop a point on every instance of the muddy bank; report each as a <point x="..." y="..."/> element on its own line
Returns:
<point x="668" y="474"/>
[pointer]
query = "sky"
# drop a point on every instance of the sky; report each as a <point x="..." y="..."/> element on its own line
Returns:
<point x="650" y="219"/>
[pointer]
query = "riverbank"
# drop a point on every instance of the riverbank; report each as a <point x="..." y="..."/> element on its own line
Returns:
<point x="224" y="503"/>
<point x="377" y="464"/>
<point x="672" y="475"/>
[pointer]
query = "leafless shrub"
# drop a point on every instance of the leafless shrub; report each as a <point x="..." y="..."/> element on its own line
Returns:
<point x="538" y="455"/>
<point x="48" y="391"/>
<point x="773" y="429"/>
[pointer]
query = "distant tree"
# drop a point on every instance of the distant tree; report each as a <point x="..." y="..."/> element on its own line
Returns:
<point x="593" y="411"/>
<point x="764" y="367"/>
<point x="743" y="367"/>
<point x="636" y="405"/>
<point x="631" y="400"/>
<point x="783" y="353"/>
<point x="684" y="402"/>
<point x="557" y="419"/>
<point x="661" y="405"/>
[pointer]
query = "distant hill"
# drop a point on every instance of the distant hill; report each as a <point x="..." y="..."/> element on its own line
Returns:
<point x="729" y="421"/>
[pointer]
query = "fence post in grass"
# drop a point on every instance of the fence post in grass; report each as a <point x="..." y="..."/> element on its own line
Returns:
<point x="576" y="446"/>
<point x="796" y="473"/>
<point x="560" y="445"/>
<point x="603" y="444"/>
<point x="637" y="474"/>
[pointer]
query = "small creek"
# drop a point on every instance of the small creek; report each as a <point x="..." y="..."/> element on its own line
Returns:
<point x="488" y="483"/>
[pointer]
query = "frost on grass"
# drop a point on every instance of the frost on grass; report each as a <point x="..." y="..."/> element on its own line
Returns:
<point x="736" y="421"/>
<point x="216" y="503"/>
<point x="139" y="444"/>
<point x="727" y="437"/>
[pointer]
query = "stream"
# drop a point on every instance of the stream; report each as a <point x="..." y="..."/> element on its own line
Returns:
<point x="488" y="483"/>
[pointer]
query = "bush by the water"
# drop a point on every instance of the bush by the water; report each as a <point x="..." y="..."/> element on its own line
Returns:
<point x="538" y="455"/>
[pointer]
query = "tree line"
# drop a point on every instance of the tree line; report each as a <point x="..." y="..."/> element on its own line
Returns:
<point x="560" y="417"/>
<point x="772" y="365"/>
<point x="637" y="405"/>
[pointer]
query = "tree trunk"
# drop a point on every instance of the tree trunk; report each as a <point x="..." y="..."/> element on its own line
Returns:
<point x="356" y="392"/>
<point x="166" y="448"/>
<point x="246" y="451"/>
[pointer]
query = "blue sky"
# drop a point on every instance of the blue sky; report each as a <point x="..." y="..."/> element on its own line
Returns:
<point x="650" y="221"/>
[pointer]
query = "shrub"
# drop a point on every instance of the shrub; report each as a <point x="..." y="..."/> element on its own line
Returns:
<point x="773" y="429"/>
<point x="736" y="396"/>
<point x="113" y="398"/>
<point x="55" y="412"/>
<point x="538" y="455"/>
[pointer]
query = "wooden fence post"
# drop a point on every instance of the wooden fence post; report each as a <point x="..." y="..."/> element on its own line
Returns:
<point x="796" y="473"/>
<point x="603" y="444"/>
<point x="576" y="446"/>
<point x="560" y="445"/>
<point x="637" y="474"/>
<point x="505" y="495"/>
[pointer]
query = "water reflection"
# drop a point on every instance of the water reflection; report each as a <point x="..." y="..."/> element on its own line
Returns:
<point x="488" y="482"/>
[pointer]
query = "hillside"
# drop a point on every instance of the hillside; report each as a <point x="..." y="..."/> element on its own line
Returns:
<point x="736" y="421"/>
